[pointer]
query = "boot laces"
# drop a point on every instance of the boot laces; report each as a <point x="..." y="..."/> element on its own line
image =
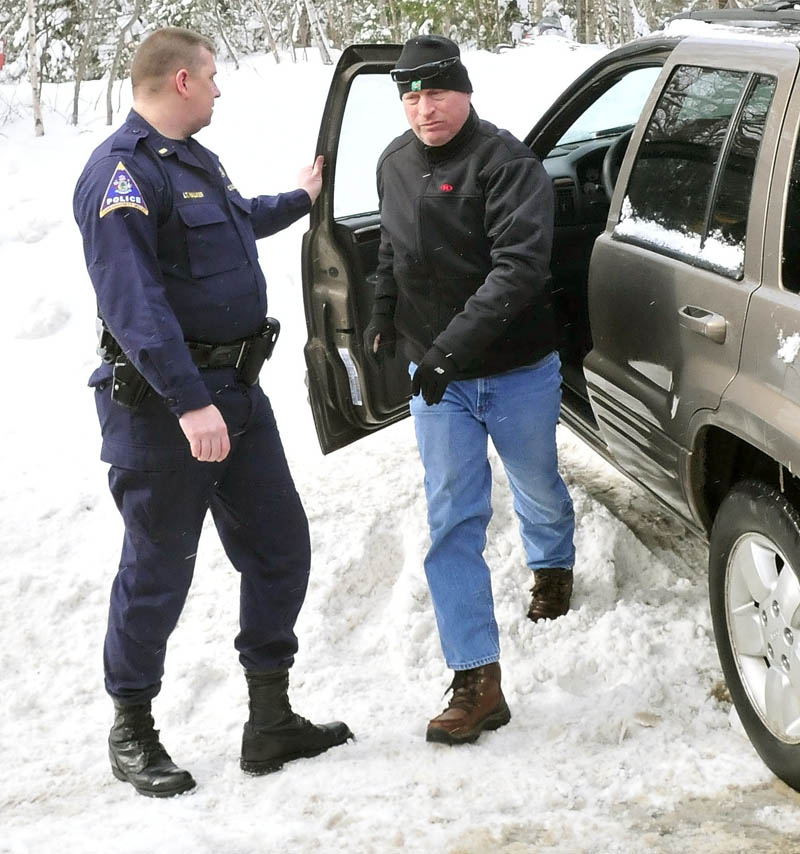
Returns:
<point x="146" y="736"/>
<point x="465" y="687"/>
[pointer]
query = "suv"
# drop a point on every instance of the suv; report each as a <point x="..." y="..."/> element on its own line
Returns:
<point x="676" y="279"/>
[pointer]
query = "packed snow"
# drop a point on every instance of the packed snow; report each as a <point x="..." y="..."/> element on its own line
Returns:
<point x="621" y="738"/>
<point x="789" y="347"/>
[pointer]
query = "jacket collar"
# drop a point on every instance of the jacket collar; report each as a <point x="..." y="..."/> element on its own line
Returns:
<point x="440" y="153"/>
<point x="162" y="145"/>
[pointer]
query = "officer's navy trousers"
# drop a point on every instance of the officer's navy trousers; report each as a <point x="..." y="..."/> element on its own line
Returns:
<point x="163" y="495"/>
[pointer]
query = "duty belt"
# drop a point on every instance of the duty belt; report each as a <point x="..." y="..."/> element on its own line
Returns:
<point x="219" y="355"/>
<point x="247" y="355"/>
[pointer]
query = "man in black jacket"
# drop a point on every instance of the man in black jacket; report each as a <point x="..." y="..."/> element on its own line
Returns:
<point x="467" y="222"/>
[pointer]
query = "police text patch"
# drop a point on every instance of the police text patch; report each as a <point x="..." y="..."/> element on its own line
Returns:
<point x="122" y="192"/>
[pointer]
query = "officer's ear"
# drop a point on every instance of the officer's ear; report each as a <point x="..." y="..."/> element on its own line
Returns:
<point x="181" y="82"/>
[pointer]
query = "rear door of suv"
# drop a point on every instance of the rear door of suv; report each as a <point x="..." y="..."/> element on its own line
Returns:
<point x="672" y="275"/>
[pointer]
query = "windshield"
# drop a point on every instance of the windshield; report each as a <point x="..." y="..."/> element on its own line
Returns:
<point x="618" y="108"/>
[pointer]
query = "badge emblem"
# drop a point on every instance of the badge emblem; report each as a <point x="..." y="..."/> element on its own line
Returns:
<point x="416" y="85"/>
<point x="122" y="192"/>
<point x="446" y="188"/>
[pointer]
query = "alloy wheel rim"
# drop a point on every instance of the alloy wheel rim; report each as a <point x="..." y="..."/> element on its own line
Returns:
<point x="762" y="600"/>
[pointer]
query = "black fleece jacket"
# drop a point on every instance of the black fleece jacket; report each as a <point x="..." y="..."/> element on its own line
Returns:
<point x="466" y="234"/>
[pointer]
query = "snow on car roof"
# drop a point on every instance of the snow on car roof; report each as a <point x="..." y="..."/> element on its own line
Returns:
<point x="745" y="29"/>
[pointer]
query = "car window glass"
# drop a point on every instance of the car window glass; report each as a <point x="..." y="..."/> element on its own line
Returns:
<point x="618" y="107"/>
<point x="372" y="118"/>
<point x="728" y="222"/>
<point x="790" y="273"/>
<point x="681" y="150"/>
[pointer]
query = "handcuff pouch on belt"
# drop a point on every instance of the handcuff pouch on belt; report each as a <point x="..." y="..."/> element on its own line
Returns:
<point x="248" y="355"/>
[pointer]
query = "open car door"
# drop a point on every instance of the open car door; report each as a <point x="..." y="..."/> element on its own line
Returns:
<point x="349" y="395"/>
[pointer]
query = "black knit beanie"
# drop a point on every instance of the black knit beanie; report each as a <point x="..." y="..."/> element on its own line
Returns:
<point x="422" y="50"/>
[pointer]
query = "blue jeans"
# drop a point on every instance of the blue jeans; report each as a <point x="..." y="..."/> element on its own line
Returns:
<point x="519" y="410"/>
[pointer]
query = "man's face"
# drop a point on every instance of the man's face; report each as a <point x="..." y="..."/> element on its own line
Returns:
<point x="202" y="90"/>
<point x="436" y="115"/>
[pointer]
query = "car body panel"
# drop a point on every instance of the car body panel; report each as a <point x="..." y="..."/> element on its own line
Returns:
<point x="650" y="369"/>
<point x="763" y="402"/>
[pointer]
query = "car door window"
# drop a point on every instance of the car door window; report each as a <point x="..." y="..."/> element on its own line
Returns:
<point x="790" y="268"/>
<point x="701" y="146"/>
<point x="617" y="108"/>
<point x="373" y="117"/>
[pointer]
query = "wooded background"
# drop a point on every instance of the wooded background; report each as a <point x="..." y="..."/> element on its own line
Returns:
<point x="77" y="40"/>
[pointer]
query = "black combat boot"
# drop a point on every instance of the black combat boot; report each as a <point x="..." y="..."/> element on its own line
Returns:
<point x="138" y="757"/>
<point x="275" y="734"/>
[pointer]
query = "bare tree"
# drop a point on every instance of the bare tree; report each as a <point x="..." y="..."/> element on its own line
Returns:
<point x="33" y="70"/>
<point x="608" y="34"/>
<point x="397" y="33"/>
<point x="87" y="45"/>
<point x="221" y="28"/>
<point x="316" y="32"/>
<point x="112" y="74"/>
<point x="264" y="14"/>
<point x="590" y="23"/>
<point x="290" y="29"/>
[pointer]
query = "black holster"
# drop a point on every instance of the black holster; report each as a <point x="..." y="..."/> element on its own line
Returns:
<point x="128" y="386"/>
<point x="259" y="348"/>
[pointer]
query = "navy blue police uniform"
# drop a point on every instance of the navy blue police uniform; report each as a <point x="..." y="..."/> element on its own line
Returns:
<point x="170" y="247"/>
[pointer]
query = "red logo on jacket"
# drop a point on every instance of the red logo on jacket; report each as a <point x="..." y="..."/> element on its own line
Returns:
<point x="446" y="188"/>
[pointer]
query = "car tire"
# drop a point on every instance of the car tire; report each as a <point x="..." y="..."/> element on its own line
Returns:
<point x="754" y="588"/>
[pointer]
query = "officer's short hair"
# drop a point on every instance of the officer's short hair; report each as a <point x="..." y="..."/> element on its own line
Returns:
<point x="163" y="53"/>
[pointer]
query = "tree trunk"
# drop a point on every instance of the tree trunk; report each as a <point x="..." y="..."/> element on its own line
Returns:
<point x="290" y="30"/>
<point x="303" y="26"/>
<point x="83" y="57"/>
<point x="228" y="47"/>
<point x="480" y="23"/>
<point x="268" y="31"/>
<point x="316" y="32"/>
<point x="608" y="35"/>
<point x="624" y="16"/>
<point x="112" y="74"/>
<point x="394" y="24"/>
<point x="33" y="70"/>
<point x="590" y="23"/>
<point x="647" y="8"/>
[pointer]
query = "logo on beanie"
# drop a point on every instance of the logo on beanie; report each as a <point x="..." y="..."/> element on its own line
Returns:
<point x="416" y="85"/>
<point x="446" y="188"/>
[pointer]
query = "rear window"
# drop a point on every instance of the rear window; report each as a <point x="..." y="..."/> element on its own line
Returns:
<point x="689" y="190"/>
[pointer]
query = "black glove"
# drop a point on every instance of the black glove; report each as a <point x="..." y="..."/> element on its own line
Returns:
<point x="383" y="325"/>
<point x="432" y="376"/>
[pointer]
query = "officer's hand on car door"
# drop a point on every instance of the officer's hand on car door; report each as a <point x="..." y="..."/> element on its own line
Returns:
<point x="432" y="376"/>
<point x="310" y="178"/>
<point x="207" y="434"/>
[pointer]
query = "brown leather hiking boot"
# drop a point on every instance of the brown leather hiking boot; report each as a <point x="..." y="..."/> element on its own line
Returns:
<point x="477" y="704"/>
<point x="551" y="591"/>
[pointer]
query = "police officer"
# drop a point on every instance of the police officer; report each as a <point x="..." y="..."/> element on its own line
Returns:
<point x="170" y="248"/>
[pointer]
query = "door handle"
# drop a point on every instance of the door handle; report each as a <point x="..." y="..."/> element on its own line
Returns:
<point x="704" y="322"/>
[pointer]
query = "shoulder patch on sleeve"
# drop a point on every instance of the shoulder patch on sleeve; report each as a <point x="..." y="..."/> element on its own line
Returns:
<point x="122" y="192"/>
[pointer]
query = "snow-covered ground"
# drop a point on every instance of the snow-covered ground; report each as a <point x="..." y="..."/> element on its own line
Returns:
<point x="620" y="739"/>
